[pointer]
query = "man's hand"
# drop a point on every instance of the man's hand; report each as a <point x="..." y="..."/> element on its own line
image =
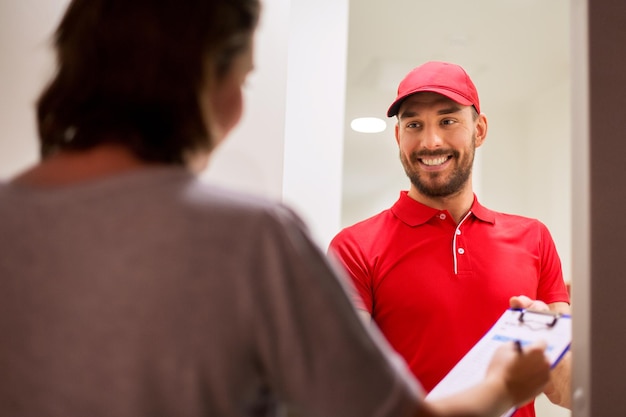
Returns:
<point x="558" y="389"/>
<point x="521" y="301"/>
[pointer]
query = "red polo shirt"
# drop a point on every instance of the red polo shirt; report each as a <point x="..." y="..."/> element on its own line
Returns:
<point x="435" y="287"/>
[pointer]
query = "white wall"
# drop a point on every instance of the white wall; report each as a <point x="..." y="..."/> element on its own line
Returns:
<point x="315" y="113"/>
<point x="525" y="164"/>
<point x="25" y="64"/>
<point x="549" y="167"/>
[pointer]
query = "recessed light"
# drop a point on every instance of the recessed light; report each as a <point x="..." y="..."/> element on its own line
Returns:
<point x="368" y="125"/>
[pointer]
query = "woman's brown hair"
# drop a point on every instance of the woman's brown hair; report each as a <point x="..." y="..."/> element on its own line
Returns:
<point x="130" y="71"/>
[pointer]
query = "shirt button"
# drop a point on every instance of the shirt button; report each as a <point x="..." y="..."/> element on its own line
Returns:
<point x="442" y="216"/>
<point x="461" y="251"/>
<point x="458" y="232"/>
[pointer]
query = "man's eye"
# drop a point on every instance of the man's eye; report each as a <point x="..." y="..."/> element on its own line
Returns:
<point x="448" y="122"/>
<point x="412" y="125"/>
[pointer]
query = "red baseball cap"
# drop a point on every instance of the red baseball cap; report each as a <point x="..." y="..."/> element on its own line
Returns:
<point x="443" y="78"/>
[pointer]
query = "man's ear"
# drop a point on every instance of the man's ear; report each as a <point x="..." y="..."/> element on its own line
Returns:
<point x="481" y="129"/>
<point x="397" y="127"/>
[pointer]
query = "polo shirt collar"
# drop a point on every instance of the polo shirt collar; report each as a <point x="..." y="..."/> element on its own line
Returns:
<point x="482" y="213"/>
<point x="414" y="213"/>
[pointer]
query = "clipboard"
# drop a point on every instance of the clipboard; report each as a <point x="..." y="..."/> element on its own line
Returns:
<point x="522" y="325"/>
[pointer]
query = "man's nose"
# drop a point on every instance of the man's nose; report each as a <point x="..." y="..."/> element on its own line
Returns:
<point x="431" y="138"/>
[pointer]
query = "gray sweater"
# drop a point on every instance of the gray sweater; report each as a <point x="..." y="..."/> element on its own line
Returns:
<point x="153" y="294"/>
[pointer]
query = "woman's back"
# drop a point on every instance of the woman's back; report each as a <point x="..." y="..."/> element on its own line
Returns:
<point x="150" y="293"/>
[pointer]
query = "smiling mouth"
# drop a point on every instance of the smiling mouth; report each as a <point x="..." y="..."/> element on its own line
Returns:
<point x="434" y="161"/>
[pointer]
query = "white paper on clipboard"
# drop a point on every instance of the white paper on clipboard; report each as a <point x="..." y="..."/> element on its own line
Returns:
<point x="525" y="326"/>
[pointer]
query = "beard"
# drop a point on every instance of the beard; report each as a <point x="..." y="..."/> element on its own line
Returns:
<point x="435" y="184"/>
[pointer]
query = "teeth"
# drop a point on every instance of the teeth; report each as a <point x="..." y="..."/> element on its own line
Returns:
<point x="436" y="161"/>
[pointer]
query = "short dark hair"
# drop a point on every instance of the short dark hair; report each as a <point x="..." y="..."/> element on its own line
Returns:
<point x="131" y="71"/>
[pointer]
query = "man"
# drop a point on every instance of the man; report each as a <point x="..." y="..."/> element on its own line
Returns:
<point x="437" y="269"/>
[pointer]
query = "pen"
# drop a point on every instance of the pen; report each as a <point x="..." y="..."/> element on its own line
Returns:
<point x="518" y="346"/>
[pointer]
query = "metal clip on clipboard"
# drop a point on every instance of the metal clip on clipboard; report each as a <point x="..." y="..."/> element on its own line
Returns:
<point x="553" y="318"/>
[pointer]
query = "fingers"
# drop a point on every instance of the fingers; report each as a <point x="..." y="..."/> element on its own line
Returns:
<point x="520" y="301"/>
<point x="524" y="302"/>
<point x="538" y="346"/>
<point x="525" y="369"/>
<point x="516" y="353"/>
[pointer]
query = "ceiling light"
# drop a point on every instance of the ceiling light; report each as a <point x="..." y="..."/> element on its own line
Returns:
<point x="368" y="125"/>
